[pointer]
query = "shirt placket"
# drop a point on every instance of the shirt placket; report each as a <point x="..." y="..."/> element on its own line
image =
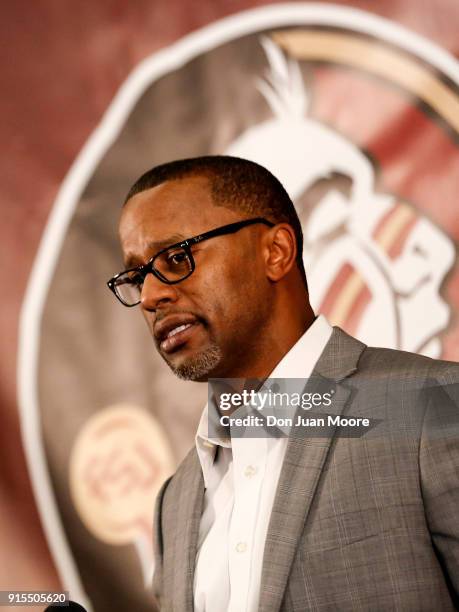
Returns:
<point x="249" y="465"/>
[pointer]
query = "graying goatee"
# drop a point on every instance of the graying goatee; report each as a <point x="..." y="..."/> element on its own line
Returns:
<point x="199" y="366"/>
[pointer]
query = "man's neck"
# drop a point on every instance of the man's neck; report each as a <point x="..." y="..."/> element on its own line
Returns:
<point x="249" y="377"/>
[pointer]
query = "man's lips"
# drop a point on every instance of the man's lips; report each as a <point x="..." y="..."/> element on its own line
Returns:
<point x="174" y="330"/>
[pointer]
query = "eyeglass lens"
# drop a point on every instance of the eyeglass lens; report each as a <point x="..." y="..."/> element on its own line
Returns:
<point x="173" y="265"/>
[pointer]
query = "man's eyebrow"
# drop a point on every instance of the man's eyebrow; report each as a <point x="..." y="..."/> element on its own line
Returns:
<point x="154" y="247"/>
<point x="157" y="245"/>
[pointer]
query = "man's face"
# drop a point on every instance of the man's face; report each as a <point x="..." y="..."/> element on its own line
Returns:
<point x="208" y="324"/>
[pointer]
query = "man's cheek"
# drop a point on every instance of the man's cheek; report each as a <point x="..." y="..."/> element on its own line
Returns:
<point x="215" y="312"/>
<point x="147" y="318"/>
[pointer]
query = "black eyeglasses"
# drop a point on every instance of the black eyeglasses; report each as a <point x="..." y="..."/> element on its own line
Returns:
<point x="171" y="265"/>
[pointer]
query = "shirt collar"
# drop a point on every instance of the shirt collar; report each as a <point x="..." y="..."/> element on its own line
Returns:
<point x="298" y="363"/>
<point x="301" y="359"/>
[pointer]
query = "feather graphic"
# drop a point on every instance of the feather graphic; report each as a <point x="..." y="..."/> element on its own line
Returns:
<point x="283" y="86"/>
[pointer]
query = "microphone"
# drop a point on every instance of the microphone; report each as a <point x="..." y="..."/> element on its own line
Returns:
<point x="68" y="605"/>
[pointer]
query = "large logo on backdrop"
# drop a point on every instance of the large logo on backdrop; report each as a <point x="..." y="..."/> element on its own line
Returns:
<point x="375" y="262"/>
<point x="359" y="119"/>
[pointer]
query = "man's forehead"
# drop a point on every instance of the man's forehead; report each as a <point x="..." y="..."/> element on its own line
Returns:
<point x="172" y="200"/>
<point x="168" y="213"/>
<point x="177" y="190"/>
<point x="175" y="204"/>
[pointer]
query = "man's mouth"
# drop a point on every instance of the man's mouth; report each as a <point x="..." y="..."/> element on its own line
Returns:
<point x="174" y="331"/>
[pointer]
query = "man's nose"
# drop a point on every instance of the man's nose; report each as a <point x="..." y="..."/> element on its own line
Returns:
<point x="155" y="292"/>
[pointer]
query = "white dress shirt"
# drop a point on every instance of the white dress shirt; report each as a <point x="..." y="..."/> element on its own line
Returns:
<point x="241" y="477"/>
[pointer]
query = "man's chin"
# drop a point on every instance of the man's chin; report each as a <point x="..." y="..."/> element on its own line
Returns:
<point x="197" y="367"/>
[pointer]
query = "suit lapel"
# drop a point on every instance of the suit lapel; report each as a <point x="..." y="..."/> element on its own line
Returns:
<point x="301" y="470"/>
<point x="190" y="505"/>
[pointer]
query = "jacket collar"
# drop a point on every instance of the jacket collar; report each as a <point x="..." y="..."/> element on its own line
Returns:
<point x="340" y="357"/>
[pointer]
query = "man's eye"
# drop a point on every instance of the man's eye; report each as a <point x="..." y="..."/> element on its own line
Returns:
<point x="177" y="259"/>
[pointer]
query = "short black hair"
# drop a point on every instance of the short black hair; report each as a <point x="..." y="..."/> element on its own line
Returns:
<point x="238" y="184"/>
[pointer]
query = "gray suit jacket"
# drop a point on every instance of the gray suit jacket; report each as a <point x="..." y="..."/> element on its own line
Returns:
<point x="369" y="523"/>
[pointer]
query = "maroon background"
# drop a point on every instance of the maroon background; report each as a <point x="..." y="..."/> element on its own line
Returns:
<point x="61" y="65"/>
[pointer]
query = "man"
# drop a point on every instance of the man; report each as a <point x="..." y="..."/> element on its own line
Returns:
<point x="213" y="254"/>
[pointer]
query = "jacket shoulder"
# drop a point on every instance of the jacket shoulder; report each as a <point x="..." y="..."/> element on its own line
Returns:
<point x="387" y="362"/>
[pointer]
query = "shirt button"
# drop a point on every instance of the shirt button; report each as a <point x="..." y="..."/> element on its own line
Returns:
<point x="250" y="471"/>
<point x="241" y="547"/>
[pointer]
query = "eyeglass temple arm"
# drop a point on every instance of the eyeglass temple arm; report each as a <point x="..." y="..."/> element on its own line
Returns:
<point x="229" y="229"/>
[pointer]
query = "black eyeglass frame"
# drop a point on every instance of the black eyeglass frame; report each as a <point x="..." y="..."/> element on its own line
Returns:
<point x="186" y="245"/>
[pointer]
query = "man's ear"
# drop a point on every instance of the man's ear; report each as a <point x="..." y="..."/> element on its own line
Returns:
<point x="279" y="251"/>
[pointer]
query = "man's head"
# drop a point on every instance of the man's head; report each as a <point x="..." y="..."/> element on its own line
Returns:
<point x="226" y="317"/>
